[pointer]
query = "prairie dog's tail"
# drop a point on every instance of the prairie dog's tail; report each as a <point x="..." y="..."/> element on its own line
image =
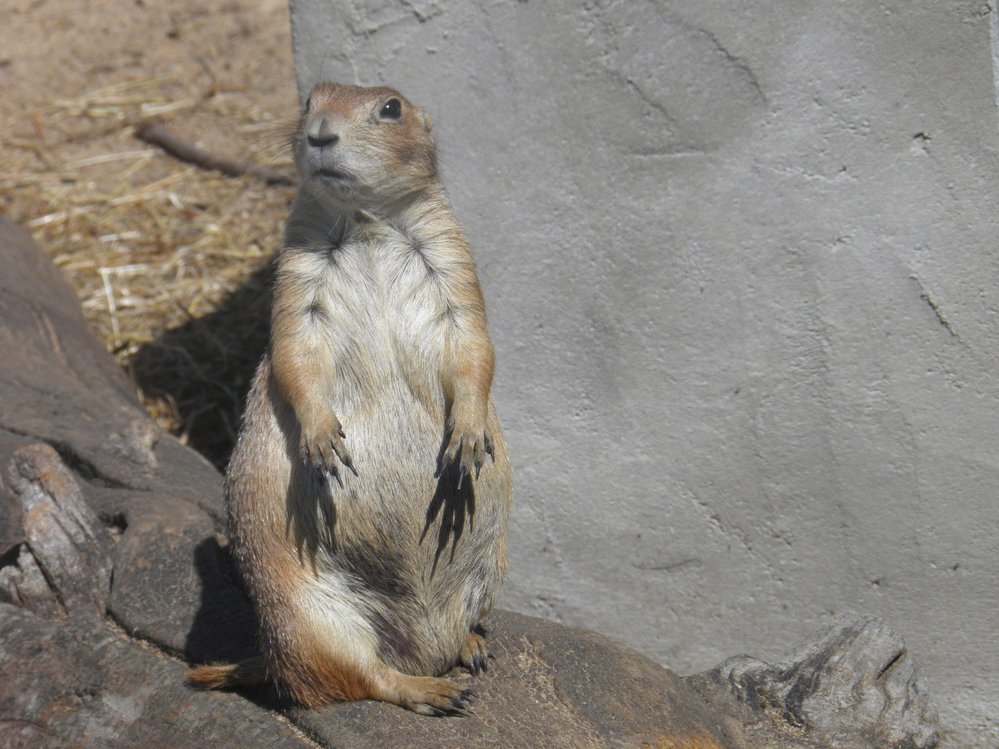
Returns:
<point x="224" y="675"/>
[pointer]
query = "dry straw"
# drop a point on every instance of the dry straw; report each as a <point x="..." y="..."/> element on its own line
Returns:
<point x="169" y="260"/>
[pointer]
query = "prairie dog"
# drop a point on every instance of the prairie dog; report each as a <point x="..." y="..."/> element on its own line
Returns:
<point x="369" y="541"/>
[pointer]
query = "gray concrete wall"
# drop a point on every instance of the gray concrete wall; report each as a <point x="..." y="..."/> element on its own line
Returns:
<point x="740" y="263"/>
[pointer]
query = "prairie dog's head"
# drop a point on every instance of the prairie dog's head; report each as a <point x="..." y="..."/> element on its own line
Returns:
<point x="364" y="146"/>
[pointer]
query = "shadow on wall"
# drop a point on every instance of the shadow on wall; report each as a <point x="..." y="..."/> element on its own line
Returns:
<point x="204" y="367"/>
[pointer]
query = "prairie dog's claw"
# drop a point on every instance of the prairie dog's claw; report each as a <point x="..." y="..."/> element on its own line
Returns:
<point x="467" y="447"/>
<point x="435" y="696"/>
<point x="474" y="654"/>
<point x="323" y="447"/>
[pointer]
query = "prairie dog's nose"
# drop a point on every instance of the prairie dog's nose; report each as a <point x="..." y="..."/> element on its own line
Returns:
<point x="321" y="132"/>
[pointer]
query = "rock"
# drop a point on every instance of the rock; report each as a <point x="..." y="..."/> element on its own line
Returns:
<point x="853" y="685"/>
<point x="23" y="582"/>
<point x="59" y="386"/>
<point x="770" y="261"/>
<point x="115" y="575"/>
<point x="11" y="530"/>
<point x="549" y="685"/>
<point x="83" y="684"/>
<point x="174" y="585"/>
<point x="61" y="531"/>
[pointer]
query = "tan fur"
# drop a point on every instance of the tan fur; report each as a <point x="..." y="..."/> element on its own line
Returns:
<point x="250" y="672"/>
<point x="370" y="543"/>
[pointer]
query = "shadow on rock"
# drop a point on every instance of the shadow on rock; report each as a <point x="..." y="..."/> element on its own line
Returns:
<point x="204" y="367"/>
<point x="225" y="626"/>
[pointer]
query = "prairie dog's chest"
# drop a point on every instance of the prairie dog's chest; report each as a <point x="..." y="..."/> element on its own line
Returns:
<point x="382" y="286"/>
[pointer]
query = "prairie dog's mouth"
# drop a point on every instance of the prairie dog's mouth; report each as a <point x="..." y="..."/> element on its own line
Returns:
<point x="331" y="174"/>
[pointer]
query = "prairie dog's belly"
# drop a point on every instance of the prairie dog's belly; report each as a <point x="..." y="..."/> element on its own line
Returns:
<point x="380" y="336"/>
<point x="394" y="536"/>
<point x="382" y="328"/>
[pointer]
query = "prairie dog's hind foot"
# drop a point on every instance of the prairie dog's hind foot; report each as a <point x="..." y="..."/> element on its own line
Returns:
<point x="475" y="653"/>
<point x="426" y="695"/>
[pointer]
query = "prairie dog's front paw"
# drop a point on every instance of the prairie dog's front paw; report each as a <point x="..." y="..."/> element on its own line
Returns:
<point x="468" y="445"/>
<point x="322" y="443"/>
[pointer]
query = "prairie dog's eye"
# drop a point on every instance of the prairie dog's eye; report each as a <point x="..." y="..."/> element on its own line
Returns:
<point x="391" y="110"/>
<point x="308" y="103"/>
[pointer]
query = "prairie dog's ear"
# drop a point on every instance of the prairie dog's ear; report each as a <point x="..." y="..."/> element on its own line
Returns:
<point x="428" y="124"/>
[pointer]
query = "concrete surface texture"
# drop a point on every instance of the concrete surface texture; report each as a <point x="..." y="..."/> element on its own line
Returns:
<point x="740" y="263"/>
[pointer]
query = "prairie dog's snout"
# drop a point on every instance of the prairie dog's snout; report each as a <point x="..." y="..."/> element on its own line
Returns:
<point x="323" y="159"/>
<point x="321" y="132"/>
<point x="323" y="154"/>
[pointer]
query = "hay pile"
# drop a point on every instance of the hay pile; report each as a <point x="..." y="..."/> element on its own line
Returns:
<point x="170" y="261"/>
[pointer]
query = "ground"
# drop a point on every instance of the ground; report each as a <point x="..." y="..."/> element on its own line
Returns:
<point x="154" y="247"/>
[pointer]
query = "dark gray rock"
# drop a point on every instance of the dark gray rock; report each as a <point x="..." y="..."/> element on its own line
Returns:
<point x="11" y="531"/>
<point x="174" y="584"/>
<point x="115" y="575"/>
<point x="73" y="683"/>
